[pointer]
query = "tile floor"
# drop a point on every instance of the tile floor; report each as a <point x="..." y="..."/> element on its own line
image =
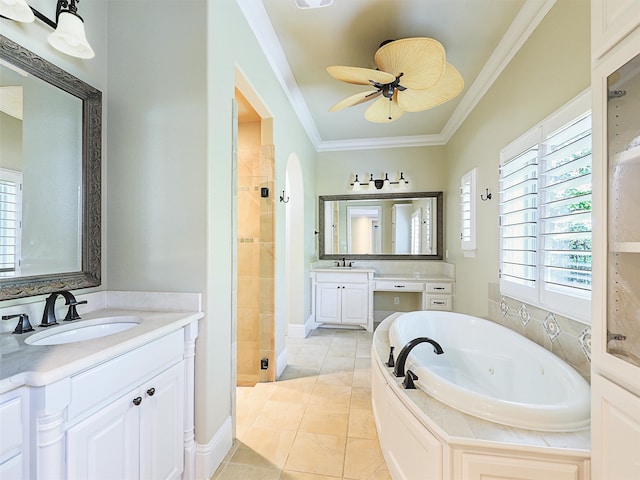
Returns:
<point x="316" y="421"/>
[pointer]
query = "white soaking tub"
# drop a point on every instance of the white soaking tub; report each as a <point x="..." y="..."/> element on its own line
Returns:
<point x="493" y="373"/>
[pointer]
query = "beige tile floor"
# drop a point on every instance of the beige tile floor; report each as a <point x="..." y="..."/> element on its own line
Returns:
<point x="315" y="422"/>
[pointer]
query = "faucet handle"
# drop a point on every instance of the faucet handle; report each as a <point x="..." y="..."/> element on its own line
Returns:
<point x="72" y="313"/>
<point x="391" y="362"/>
<point x="408" y="380"/>
<point x="23" y="325"/>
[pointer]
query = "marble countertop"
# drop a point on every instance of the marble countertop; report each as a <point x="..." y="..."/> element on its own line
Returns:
<point x="459" y="428"/>
<point x="38" y="365"/>
<point x="422" y="277"/>
<point x="344" y="269"/>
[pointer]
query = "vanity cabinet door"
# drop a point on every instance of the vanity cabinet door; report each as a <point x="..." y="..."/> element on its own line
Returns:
<point x="328" y="302"/>
<point x="139" y="436"/>
<point x="355" y="300"/>
<point x="162" y="426"/>
<point x="105" y="445"/>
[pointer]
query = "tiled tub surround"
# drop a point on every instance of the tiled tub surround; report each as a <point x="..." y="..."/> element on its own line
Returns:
<point x="568" y="339"/>
<point x="449" y="444"/>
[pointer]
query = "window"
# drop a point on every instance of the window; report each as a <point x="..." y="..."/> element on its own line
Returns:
<point x="468" y="213"/>
<point x="10" y="222"/>
<point x="415" y="232"/>
<point x="545" y="213"/>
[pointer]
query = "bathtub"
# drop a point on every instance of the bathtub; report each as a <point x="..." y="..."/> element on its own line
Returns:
<point x="493" y="373"/>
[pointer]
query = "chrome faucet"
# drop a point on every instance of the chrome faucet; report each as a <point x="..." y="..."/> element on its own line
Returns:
<point x="398" y="370"/>
<point x="49" y="314"/>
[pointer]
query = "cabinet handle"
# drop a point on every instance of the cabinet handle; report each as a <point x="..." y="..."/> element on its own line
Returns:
<point x="399" y="286"/>
<point x="151" y="391"/>
<point x="438" y="288"/>
<point x="436" y="302"/>
<point x="137" y="401"/>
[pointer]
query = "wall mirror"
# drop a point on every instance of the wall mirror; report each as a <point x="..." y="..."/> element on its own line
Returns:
<point x="50" y="176"/>
<point x="381" y="226"/>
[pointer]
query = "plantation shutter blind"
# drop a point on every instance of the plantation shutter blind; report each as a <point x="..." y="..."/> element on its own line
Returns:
<point x="518" y="220"/>
<point x="565" y="209"/>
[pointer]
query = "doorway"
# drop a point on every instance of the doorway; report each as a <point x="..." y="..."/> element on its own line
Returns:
<point x="255" y="264"/>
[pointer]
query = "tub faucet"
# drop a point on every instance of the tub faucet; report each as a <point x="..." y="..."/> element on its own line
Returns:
<point x="49" y="314"/>
<point x="398" y="370"/>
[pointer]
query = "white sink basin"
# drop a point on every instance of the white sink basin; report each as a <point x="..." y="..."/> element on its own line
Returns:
<point x="83" y="330"/>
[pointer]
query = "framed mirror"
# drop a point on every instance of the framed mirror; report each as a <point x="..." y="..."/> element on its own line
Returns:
<point x="381" y="226"/>
<point x="50" y="176"/>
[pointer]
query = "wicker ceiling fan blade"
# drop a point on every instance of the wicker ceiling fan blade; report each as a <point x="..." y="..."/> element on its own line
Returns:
<point x="359" y="75"/>
<point x="383" y="110"/>
<point x="418" y="100"/>
<point x="420" y="60"/>
<point x="355" y="100"/>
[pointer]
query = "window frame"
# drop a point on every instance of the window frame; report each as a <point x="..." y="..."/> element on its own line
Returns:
<point x="576" y="303"/>
<point x="468" y="199"/>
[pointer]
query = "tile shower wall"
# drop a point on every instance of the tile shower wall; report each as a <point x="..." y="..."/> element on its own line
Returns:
<point x="255" y="310"/>
<point x="566" y="338"/>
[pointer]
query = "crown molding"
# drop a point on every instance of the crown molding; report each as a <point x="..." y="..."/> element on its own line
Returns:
<point x="525" y="23"/>
<point x="381" y="142"/>
<point x="258" y="21"/>
<point x="527" y="20"/>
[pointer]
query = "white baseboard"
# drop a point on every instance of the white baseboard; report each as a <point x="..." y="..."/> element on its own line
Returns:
<point x="301" y="331"/>
<point x="281" y="362"/>
<point x="210" y="456"/>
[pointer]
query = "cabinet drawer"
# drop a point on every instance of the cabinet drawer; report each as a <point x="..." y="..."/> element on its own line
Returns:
<point x="98" y="385"/>
<point x="438" y="287"/>
<point x="342" y="277"/>
<point x="11" y="421"/>
<point x="398" y="286"/>
<point x="444" y="302"/>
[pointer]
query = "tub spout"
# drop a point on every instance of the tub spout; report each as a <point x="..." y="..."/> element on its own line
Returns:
<point x="398" y="371"/>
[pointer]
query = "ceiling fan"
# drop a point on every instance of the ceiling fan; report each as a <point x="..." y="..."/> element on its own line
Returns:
<point x="412" y="75"/>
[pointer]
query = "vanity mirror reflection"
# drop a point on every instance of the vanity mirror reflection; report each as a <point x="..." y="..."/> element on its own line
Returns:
<point x="50" y="176"/>
<point x="381" y="226"/>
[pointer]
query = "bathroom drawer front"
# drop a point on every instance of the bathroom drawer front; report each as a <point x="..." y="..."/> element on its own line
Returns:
<point x="438" y="288"/>
<point x="444" y="302"/>
<point x="102" y="383"/>
<point x="398" y="286"/>
<point x="342" y="277"/>
<point x="11" y="421"/>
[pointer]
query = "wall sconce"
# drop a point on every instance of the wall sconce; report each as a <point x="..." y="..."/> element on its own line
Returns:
<point x="379" y="183"/>
<point x="68" y="35"/>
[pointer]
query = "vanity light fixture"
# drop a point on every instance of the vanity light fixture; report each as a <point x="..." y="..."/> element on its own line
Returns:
<point x="379" y="183"/>
<point x="68" y="36"/>
<point x="17" y="10"/>
<point x="312" y="3"/>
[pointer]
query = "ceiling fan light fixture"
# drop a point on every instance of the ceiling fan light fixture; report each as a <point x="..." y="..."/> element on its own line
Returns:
<point x="412" y="75"/>
<point x="312" y="3"/>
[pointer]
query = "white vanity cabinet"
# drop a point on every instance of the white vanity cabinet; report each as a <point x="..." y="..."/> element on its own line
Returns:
<point x="436" y="294"/>
<point x="342" y="297"/>
<point x="130" y="416"/>
<point x="14" y="434"/>
<point x="139" y="435"/>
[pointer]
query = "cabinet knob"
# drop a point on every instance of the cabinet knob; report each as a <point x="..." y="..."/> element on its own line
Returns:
<point x="137" y="401"/>
<point x="151" y="391"/>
